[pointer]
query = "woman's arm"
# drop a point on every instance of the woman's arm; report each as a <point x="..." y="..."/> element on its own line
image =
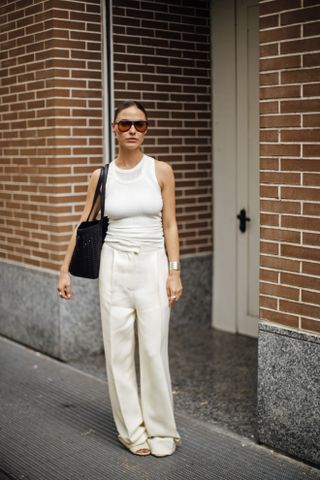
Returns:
<point x="64" y="281"/>
<point x="166" y="180"/>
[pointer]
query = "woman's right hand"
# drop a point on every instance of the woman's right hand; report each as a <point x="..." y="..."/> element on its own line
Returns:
<point x="64" y="286"/>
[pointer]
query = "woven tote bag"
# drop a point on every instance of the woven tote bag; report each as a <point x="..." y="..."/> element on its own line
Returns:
<point x="85" y="261"/>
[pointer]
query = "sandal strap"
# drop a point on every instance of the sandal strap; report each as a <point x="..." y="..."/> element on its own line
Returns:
<point x="137" y="447"/>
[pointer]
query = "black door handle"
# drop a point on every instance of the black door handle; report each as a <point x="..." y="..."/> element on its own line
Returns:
<point x="242" y="216"/>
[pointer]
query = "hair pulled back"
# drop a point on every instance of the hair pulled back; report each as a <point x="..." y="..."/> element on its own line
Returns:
<point x="127" y="104"/>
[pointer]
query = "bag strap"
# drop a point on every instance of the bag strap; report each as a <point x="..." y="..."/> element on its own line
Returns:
<point x="97" y="192"/>
<point x="101" y="182"/>
<point x="103" y="192"/>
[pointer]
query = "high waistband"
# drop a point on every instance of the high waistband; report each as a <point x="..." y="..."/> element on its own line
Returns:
<point x="135" y="248"/>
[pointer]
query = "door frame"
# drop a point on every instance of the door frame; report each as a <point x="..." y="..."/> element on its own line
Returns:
<point x="247" y="45"/>
<point x="224" y="87"/>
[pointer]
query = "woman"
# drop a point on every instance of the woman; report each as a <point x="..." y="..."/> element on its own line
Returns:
<point x="138" y="285"/>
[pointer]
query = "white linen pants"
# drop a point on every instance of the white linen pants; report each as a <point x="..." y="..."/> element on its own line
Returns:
<point x="133" y="289"/>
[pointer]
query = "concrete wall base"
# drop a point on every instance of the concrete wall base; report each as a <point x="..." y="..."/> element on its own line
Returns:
<point x="31" y="312"/>
<point x="289" y="391"/>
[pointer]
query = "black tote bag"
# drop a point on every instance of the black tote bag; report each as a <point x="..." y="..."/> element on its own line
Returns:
<point x="85" y="261"/>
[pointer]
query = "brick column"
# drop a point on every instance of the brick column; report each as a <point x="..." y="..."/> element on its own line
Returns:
<point x="289" y="353"/>
<point x="51" y="140"/>
<point x="290" y="134"/>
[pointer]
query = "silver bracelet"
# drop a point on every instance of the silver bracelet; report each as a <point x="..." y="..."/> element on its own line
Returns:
<point x="174" y="265"/>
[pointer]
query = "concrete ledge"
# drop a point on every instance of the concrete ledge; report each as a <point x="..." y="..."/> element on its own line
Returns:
<point x="289" y="391"/>
<point x="32" y="313"/>
<point x="195" y="304"/>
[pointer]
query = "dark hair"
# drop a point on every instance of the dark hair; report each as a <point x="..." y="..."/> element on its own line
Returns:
<point x="127" y="104"/>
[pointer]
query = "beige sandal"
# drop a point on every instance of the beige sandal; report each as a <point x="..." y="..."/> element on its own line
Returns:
<point x="141" y="449"/>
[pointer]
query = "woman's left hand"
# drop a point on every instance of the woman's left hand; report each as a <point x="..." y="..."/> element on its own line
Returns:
<point x="174" y="287"/>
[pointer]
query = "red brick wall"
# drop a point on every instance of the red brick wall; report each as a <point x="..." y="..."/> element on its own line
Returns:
<point x="162" y="58"/>
<point x="51" y="123"/>
<point x="290" y="165"/>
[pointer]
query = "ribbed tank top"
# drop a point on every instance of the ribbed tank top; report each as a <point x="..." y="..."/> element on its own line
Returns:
<point x="133" y="203"/>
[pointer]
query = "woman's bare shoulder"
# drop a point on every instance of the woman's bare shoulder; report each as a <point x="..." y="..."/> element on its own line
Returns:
<point x="94" y="177"/>
<point x="96" y="173"/>
<point x="164" y="172"/>
<point x="163" y="167"/>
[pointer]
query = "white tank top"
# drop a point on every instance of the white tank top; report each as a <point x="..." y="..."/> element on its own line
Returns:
<point x="134" y="204"/>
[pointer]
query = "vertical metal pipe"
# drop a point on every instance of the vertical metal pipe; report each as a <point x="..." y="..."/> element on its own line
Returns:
<point x="108" y="98"/>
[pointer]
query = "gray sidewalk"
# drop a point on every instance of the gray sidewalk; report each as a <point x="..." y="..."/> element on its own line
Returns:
<point x="56" y="423"/>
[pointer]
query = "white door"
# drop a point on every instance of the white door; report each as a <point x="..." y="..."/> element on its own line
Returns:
<point x="248" y="165"/>
<point x="235" y="165"/>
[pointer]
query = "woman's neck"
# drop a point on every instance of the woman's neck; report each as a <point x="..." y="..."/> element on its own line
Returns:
<point x="128" y="159"/>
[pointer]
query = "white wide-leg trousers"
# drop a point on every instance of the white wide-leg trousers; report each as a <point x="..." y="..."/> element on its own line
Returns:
<point x="133" y="289"/>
